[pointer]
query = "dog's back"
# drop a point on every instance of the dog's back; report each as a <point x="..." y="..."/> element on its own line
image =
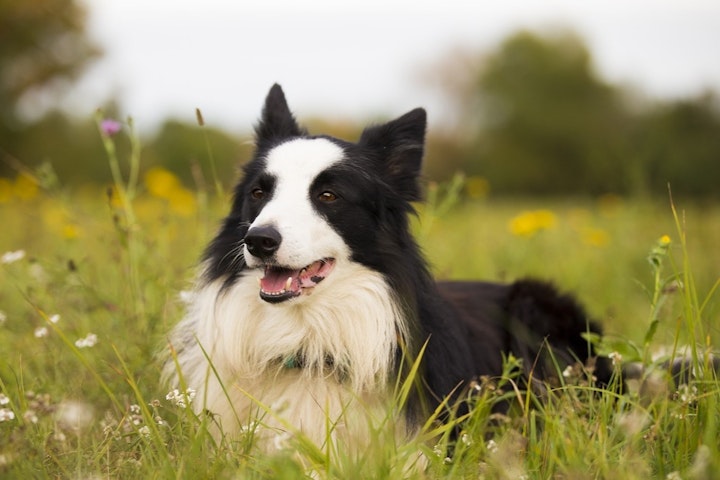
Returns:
<point x="529" y="319"/>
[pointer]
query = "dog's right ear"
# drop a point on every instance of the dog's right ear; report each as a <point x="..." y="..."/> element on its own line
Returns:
<point x="277" y="122"/>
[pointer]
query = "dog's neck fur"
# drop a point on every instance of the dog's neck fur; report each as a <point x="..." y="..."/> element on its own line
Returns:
<point x="359" y="342"/>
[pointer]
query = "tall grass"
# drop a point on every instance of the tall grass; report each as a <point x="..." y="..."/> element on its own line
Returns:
<point x="86" y="309"/>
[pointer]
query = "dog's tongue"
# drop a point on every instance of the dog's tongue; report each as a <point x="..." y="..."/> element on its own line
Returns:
<point x="277" y="280"/>
<point x="282" y="283"/>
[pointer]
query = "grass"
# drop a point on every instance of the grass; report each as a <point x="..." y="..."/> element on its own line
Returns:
<point x="110" y="263"/>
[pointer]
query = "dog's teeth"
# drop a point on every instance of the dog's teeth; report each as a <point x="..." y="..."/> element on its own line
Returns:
<point x="288" y="284"/>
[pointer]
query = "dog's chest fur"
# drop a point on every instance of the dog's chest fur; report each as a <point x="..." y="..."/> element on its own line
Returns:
<point x="296" y="367"/>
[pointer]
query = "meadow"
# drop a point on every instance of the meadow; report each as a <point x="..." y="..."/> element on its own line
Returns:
<point x="91" y="280"/>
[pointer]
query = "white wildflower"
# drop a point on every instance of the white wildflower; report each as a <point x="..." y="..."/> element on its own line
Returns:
<point x="249" y="428"/>
<point x="12" y="257"/>
<point x="492" y="446"/>
<point x="135" y="409"/>
<point x="74" y="414"/>
<point x="144" y="431"/>
<point x="181" y="399"/>
<point x="89" y="341"/>
<point x="38" y="273"/>
<point x="568" y="372"/>
<point x="616" y="358"/>
<point x="437" y="450"/>
<point x="687" y="394"/>
<point x="41" y="332"/>
<point x="30" y="416"/>
<point x="4" y="400"/>
<point x="673" y="476"/>
<point x="54" y="318"/>
<point x="6" y="415"/>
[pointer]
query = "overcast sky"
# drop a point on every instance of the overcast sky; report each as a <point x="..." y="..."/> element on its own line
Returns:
<point x="353" y="59"/>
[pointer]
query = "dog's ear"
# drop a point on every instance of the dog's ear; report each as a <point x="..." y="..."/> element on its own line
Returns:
<point x="277" y="122"/>
<point x="400" y="144"/>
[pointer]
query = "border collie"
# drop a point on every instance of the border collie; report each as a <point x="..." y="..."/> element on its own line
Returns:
<point x="314" y="300"/>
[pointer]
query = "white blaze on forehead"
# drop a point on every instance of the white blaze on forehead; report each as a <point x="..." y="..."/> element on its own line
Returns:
<point x="306" y="236"/>
<point x="300" y="161"/>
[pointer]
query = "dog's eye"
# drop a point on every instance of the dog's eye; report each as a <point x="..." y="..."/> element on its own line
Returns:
<point x="257" y="193"/>
<point x="327" y="197"/>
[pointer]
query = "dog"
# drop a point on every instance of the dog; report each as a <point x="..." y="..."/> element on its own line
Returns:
<point x="314" y="304"/>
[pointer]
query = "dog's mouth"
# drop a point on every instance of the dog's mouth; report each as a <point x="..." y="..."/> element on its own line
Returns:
<point x="281" y="283"/>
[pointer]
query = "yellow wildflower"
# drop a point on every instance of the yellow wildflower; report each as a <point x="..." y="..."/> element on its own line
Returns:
<point x="531" y="222"/>
<point x="595" y="237"/>
<point x="161" y="182"/>
<point x="70" y="231"/>
<point x="25" y="187"/>
<point x="182" y="201"/>
<point x="6" y="190"/>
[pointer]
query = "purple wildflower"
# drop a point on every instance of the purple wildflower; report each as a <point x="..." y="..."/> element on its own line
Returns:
<point x="110" y="127"/>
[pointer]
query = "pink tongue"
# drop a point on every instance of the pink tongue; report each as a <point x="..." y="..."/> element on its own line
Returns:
<point x="275" y="280"/>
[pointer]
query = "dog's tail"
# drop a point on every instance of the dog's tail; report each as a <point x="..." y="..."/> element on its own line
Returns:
<point x="546" y="329"/>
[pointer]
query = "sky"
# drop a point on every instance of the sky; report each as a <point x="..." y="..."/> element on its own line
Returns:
<point x="357" y="59"/>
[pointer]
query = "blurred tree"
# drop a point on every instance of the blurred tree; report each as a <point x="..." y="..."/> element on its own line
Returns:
<point x="535" y="118"/>
<point x="680" y="145"/>
<point x="550" y="125"/>
<point x="188" y="151"/>
<point x="72" y="148"/>
<point x="43" y="47"/>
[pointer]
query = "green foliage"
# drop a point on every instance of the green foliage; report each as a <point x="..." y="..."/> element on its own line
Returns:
<point x="183" y="149"/>
<point x="550" y="124"/>
<point x="72" y="147"/>
<point x="679" y="144"/>
<point x="42" y="47"/>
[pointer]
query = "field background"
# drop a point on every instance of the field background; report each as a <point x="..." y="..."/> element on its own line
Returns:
<point x="567" y="170"/>
<point x="87" y="304"/>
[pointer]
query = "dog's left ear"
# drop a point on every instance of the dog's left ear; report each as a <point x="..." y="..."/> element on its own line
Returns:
<point x="400" y="144"/>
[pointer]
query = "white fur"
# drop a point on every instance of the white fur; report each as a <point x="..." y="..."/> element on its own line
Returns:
<point x="306" y="236"/>
<point x="352" y="319"/>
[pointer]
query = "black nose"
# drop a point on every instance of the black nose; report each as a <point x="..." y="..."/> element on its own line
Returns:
<point x="263" y="242"/>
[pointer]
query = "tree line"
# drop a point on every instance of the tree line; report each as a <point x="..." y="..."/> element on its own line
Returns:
<point x="533" y="117"/>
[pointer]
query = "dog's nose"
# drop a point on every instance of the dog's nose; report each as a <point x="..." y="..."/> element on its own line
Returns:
<point x="263" y="242"/>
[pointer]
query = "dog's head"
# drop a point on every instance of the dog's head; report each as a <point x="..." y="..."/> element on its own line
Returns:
<point x="308" y="205"/>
